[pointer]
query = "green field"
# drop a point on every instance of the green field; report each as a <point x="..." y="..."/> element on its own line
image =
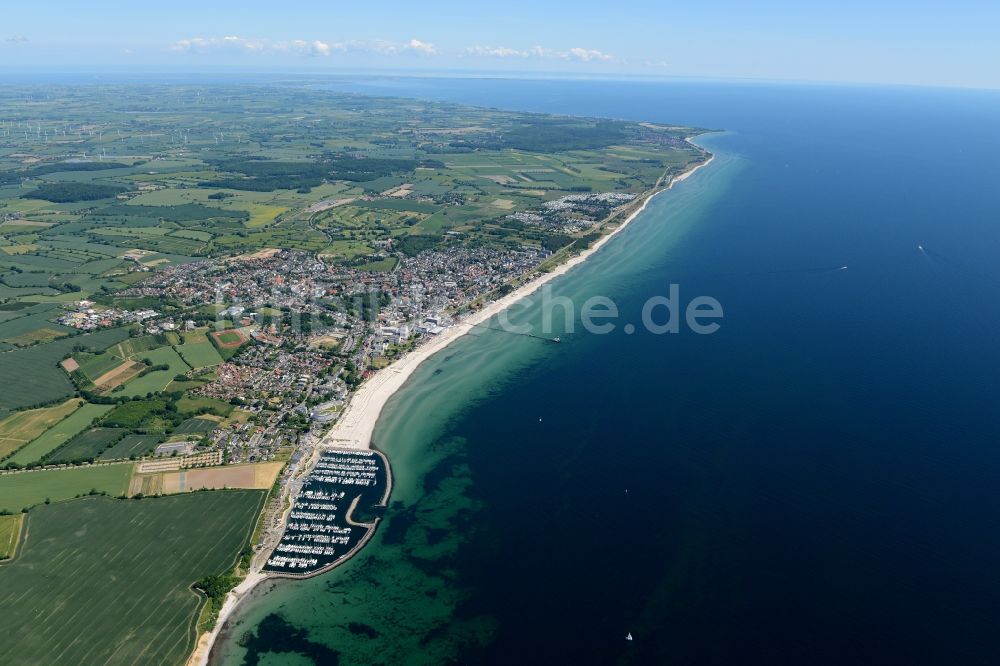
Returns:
<point x="40" y="379"/>
<point x="103" y="581"/>
<point x="156" y="380"/>
<point x="86" y="446"/>
<point x="133" y="413"/>
<point x="95" y="366"/>
<point x="10" y="530"/>
<point x="199" y="354"/>
<point x="131" y="445"/>
<point x="193" y="405"/>
<point x="59" y="434"/>
<point x="18" y="429"/>
<point x="196" y="426"/>
<point x="229" y="337"/>
<point x="133" y="346"/>
<point x="26" y="489"/>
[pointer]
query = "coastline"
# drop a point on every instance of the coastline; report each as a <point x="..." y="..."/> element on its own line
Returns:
<point x="356" y="426"/>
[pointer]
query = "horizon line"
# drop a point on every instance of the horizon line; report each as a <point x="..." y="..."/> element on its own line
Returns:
<point x="453" y="73"/>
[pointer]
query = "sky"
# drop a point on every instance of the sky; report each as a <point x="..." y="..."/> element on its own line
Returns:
<point x="887" y="41"/>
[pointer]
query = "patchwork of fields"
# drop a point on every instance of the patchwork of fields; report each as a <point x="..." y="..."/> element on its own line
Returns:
<point x="103" y="581"/>
<point x="59" y="434"/>
<point x="20" y="428"/>
<point x="40" y="379"/>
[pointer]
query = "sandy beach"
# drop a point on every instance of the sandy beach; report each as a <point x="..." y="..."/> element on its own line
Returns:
<point x="355" y="427"/>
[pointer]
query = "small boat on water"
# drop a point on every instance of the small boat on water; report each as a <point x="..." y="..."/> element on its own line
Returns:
<point x="629" y="637"/>
<point x="557" y="339"/>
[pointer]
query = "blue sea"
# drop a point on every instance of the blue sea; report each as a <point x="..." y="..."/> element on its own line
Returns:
<point x="818" y="482"/>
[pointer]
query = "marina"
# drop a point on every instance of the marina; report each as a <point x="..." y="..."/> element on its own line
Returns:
<point x="322" y="530"/>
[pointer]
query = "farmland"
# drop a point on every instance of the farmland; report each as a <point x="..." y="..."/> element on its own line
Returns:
<point x="40" y="379"/>
<point x="10" y="530"/>
<point x="131" y="445"/>
<point x="59" y="434"/>
<point x="156" y="380"/>
<point x="20" y="428"/>
<point x="103" y="581"/>
<point x="199" y="354"/>
<point x="26" y="489"/>
<point x="83" y="432"/>
<point x="256" y="476"/>
<point x="196" y="426"/>
<point x="86" y="445"/>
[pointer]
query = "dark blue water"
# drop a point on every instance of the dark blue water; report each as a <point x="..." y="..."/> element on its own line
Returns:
<point x="816" y="483"/>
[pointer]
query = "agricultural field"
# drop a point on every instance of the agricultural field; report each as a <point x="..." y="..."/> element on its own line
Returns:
<point x="96" y="366"/>
<point x="196" y="426"/>
<point x="40" y="379"/>
<point x="131" y="445"/>
<point x="199" y="354"/>
<point x="20" y="428"/>
<point x="255" y="476"/>
<point x="26" y="489"/>
<point x="10" y="532"/>
<point x="59" y="434"/>
<point x="104" y="581"/>
<point x="83" y="432"/>
<point x="87" y="445"/>
<point x="221" y="174"/>
<point x="134" y="346"/>
<point x="155" y="380"/>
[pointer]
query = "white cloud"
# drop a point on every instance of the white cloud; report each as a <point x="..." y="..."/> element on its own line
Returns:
<point x="314" y="48"/>
<point x="424" y="48"/>
<point x="496" y="52"/>
<point x="230" y="44"/>
<point x="587" y="55"/>
<point x="385" y="47"/>
<point x="17" y="39"/>
<point x="542" y="52"/>
<point x="299" y="47"/>
<point x="577" y="53"/>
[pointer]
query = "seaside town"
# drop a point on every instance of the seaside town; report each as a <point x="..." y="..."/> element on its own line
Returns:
<point x="316" y="330"/>
<point x="308" y="331"/>
<point x="220" y="292"/>
<point x="316" y="321"/>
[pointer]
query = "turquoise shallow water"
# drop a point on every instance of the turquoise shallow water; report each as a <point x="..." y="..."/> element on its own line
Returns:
<point x="815" y="483"/>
